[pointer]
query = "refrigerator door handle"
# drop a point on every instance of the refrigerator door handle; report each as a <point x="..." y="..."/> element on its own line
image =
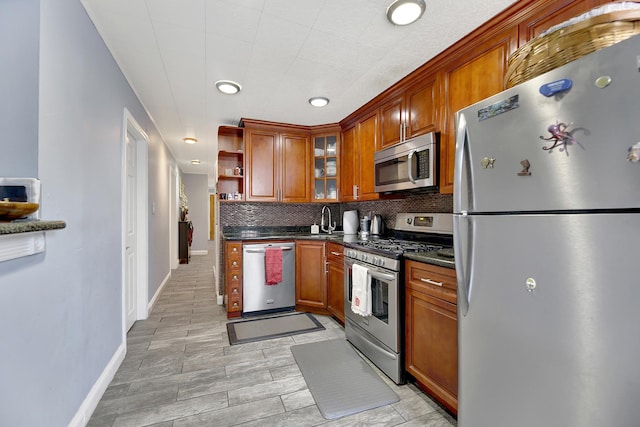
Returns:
<point x="461" y="187"/>
<point x="462" y="249"/>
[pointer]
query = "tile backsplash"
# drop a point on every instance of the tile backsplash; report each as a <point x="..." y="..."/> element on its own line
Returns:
<point x="301" y="214"/>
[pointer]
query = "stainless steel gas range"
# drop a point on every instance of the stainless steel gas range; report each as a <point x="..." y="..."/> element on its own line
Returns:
<point x="379" y="335"/>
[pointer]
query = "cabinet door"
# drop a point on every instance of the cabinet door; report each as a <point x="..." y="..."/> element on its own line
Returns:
<point x="366" y="147"/>
<point x="295" y="168"/>
<point x="432" y="345"/>
<point x="476" y="73"/>
<point x="347" y="165"/>
<point x="311" y="287"/>
<point x="261" y="179"/>
<point x="421" y="107"/>
<point x="335" y="280"/>
<point x="391" y="122"/>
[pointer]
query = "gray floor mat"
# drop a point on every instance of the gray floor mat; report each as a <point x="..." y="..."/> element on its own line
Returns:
<point x="245" y="331"/>
<point x="339" y="380"/>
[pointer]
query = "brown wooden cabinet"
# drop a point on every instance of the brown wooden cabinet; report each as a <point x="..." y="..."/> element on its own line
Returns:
<point x="359" y="146"/>
<point x="431" y="330"/>
<point x="278" y="162"/>
<point x="311" y="283"/>
<point x="326" y="166"/>
<point x="475" y="73"/>
<point x="233" y="278"/>
<point x="410" y="114"/>
<point x="335" y="280"/>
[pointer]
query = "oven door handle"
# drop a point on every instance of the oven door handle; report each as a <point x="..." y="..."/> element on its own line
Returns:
<point x="379" y="275"/>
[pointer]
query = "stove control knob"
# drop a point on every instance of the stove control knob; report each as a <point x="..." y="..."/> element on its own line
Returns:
<point x="374" y="260"/>
<point x="380" y="262"/>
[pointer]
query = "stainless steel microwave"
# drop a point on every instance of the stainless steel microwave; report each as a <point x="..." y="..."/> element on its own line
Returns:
<point x="408" y="165"/>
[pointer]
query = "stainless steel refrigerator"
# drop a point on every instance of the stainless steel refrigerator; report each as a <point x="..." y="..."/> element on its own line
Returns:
<point x="547" y="246"/>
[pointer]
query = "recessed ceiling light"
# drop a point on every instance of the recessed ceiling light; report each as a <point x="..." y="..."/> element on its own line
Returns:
<point x="195" y="162"/>
<point x="405" y="12"/>
<point x="190" y="140"/>
<point x="318" y="101"/>
<point x="227" y="86"/>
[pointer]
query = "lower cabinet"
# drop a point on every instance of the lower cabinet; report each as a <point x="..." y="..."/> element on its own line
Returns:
<point x="311" y="284"/>
<point x="431" y="330"/>
<point x="233" y="278"/>
<point x="335" y="280"/>
<point x="320" y="278"/>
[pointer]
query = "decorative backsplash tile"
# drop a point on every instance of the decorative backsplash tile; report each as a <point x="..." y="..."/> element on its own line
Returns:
<point x="304" y="214"/>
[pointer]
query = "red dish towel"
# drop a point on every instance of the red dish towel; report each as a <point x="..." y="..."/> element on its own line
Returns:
<point x="273" y="265"/>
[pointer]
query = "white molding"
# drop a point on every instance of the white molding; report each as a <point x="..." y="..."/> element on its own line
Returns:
<point x="82" y="416"/>
<point x="21" y="244"/>
<point x="157" y="294"/>
<point x="200" y="252"/>
<point x="220" y="300"/>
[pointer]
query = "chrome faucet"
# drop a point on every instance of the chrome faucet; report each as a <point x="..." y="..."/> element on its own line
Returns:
<point x="330" y="227"/>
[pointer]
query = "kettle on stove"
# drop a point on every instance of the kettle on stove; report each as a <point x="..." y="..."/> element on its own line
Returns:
<point x="377" y="225"/>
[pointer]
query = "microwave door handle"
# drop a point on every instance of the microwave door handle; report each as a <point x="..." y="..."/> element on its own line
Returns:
<point x="410" y="166"/>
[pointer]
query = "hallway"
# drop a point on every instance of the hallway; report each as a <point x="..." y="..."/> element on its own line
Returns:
<point x="180" y="371"/>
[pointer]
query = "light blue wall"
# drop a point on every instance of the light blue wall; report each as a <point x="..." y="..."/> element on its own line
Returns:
<point x="61" y="311"/>
<point x="19" y="44"/>
<point x="197" y="189"/>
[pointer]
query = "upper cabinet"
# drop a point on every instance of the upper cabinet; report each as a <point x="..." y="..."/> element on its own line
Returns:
<point x="326" y="166"/>
<point x="278" y="163"/>
<point x="359" y="146"/>
<point x="230" y="163"/>
<point x="411" y="113"/>
<point x="475" y="73"/>
<point x="550" y="13"/>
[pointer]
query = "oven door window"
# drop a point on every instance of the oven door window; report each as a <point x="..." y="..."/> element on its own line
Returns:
<point x="379" y="298"/>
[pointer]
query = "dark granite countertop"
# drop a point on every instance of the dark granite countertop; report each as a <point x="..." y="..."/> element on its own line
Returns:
<point x="432" y="257"/>
<point x="30" y="226"/>
<point x="303" y="233"/>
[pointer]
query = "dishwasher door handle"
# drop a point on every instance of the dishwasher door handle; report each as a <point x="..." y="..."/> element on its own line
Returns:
<point x="261" y="251"/>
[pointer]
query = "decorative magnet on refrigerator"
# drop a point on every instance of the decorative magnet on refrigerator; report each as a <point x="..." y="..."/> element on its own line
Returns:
<point x="634" y="153"/>
<point x="560" y="136"/>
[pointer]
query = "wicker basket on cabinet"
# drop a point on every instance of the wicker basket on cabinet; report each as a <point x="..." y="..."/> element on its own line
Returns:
<point x="569" y="43"/>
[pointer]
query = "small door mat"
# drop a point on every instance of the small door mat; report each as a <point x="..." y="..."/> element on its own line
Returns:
<point x="271" y="327"/>
<point x="339" y="380"/>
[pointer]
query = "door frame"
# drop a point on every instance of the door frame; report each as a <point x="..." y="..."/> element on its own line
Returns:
<point x="131" y="126"/>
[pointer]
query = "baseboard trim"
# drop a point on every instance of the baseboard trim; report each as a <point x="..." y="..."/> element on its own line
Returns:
<point x="90" y="403"/>
<point x="200" y="252"/>
<point x="157" y="294"/>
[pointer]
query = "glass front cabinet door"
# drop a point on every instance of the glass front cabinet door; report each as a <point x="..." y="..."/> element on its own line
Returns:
<point x="325" y="170"/>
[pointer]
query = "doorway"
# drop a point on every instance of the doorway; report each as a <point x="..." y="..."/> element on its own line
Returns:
<point x="134" y="222"/>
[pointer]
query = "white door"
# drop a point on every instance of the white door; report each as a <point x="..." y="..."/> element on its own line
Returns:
<point x="130" y="286"/>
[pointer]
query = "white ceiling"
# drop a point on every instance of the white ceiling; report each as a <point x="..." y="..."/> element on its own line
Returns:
<point x="282" y="52"/>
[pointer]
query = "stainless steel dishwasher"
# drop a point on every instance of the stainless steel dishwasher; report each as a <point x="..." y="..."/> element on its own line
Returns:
<point x="257" y="296"/>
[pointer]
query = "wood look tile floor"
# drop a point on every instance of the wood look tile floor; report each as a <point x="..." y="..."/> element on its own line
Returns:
<point x="181" y="371"/>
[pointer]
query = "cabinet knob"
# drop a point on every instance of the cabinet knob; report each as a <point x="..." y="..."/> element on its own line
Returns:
<point x="234" y="305"/>
<point x="235" y="291"/>
<point x="234" y="263"/>
<point x="234" y="277"/>
<point x="234" y="250"/>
